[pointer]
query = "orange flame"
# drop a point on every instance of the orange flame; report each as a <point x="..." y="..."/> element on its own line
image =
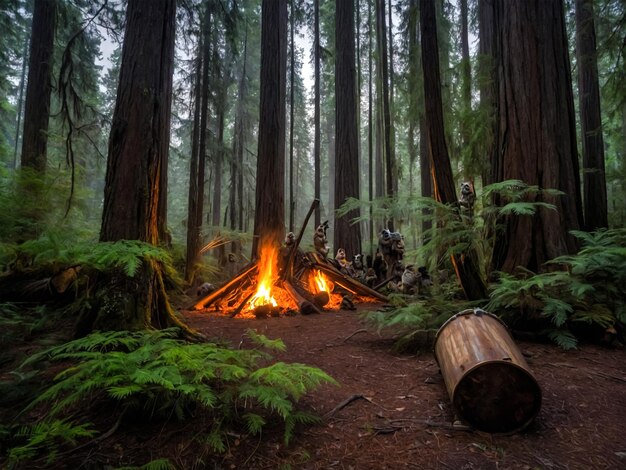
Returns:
<point x="319" y="283"/>
<point x="268" y="274"/>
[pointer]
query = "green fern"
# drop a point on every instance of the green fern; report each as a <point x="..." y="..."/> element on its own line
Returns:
<point x="589" y="291"/>
<point x="408" y="321"/>
<point x="46" y="437"/>
<point x="157" y="372"/>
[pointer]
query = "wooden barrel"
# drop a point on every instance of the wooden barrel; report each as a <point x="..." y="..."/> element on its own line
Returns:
<point x="488" y="380"/>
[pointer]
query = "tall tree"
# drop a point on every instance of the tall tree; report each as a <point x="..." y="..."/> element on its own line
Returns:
<point x="443" y="183"/>
<point x="466" y="88"/>
<point x="594" y="180"/>
<point x="389" y="151"/>
<point x="236" y="166"/>
<point x="139" y="136"/>
<point x="370" y="127"/>
<point x="488" y="85"/>
<point x="39" y="88"/>
<point x="269" y="217"/>
<point x="198" y="148"/>
<point x="346" y="235"/>
<point x="316" y="112"/>
<point x="537" y="134"/>
<point x="193" y="229"/>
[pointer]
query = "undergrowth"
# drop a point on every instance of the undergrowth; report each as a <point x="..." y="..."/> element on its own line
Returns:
<point x="583" y="297"/>
<point x="414" y="323"/>
<point x="156" y="375"/>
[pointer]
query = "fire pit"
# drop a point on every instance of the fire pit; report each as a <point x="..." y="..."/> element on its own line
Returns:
<point x="286" y="281"/>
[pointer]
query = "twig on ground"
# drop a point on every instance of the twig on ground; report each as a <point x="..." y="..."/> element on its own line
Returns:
<point x="362" y="330"/>
<point x="344" y="403"/>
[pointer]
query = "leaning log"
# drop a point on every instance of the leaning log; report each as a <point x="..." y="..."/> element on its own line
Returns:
<point x="347" y="282"/>
<point x="226" y="288"/>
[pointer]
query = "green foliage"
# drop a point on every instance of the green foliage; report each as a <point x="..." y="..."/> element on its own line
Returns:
<point x="48" y="435"/>
<point x="156" y="373"/>
<point x="588" y="291"/>
<point x="414" y="324"/>
<point x="453" y="230"/>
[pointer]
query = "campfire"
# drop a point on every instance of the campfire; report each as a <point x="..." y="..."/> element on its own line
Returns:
<point x="286" y="281"/>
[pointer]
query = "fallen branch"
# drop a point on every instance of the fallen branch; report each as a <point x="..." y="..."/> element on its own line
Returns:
<point x="362" y="330"/>
<point x="343" y="404"/>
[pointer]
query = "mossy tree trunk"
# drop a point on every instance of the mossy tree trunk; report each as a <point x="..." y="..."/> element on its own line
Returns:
<point x="137" y="151"/>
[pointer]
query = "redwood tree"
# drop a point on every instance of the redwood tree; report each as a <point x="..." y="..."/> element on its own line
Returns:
<point x="537" y="134"/>
<point x="594" y="179"/>
<point x="137" y="143"/>
<point x="443" y="183"/>
<point x="346" y="234"/>
<point x="269" y="217"/>
<point x="37" y="106"/>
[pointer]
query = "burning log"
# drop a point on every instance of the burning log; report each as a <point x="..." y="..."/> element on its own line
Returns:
<point x="304" y="305"/>
<point x="348" y="283"/>
<point x="237" y="281"/>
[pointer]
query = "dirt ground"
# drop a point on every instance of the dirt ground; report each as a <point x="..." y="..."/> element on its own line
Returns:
<point x="399" y="414"/>
<point x="390" y="411"/>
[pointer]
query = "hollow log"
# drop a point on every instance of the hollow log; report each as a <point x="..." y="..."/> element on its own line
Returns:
<point x="225" y="289"/>
<point x="304" y="305"/>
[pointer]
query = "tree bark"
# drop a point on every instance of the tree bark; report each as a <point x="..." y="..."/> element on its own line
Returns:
<point x="193" y="230"/>
<point x="488" y="83"/>
<point x="269" y="218"/>
<point x="139" y="135"/>
<point x="386" y="124"/>
<point x="346" y="234"/>
<point x="537" y="134"/>
<point x="316" y="114"/>
<point x="466" y="267"/>
<point x="594" y="177"/>
<point x="39" y="87"/>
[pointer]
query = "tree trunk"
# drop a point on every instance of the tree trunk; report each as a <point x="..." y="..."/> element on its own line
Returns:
<point x="292" y="80"/>
<point x="536" y="131"/>
<point x="193" y="230"/>
<point x="346" y="234"/>
<point x="466" y="267"/>
<point x="386" y="125"/>
<point x="594" y="178"/>
<point x="316" y="115"/>
<point x="39" y="87"/>
<point x="236" y="167"/>
<point x="466" y="92"/>
<point x="139" y="136"/>
<point x="488" y="83"/>
<point x="269" y="218"/>
<point x="370" y="129"/>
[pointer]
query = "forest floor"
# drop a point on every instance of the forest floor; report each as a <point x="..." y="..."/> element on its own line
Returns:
<point x="404" y="418"/>
<point x="389" y="411"/>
